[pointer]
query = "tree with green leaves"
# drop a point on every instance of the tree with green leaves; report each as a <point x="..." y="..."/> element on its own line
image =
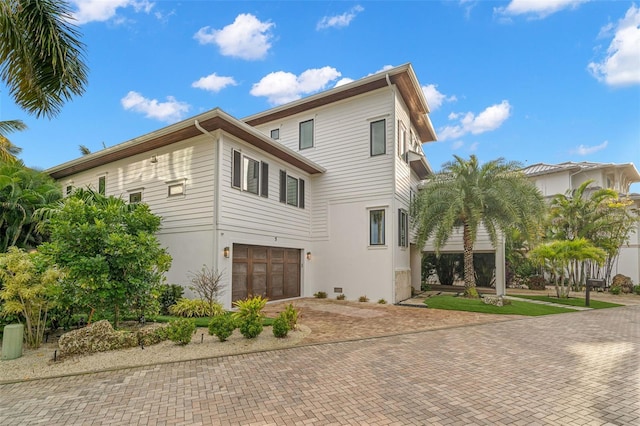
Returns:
<point x="108" y="250"/>
<point x="41" y="55"/>
<point x="8" y="151"/>
<point x="22" y="192"/>
<point x="465" y="194"/>
<point x="598" y="215"/>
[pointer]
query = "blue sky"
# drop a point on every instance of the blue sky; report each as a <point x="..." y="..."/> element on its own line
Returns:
<point x="531" y="81"/>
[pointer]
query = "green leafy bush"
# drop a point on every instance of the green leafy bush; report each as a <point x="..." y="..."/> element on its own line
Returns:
<point x="290" y="314"/>
<point x="320" y="295"/>
<point x="636" y="289"/>
<point x="195" y="308"/>
<point x="615" y="289"/>
<point x="425" y="286"/>
<point x="382" y="302"/>
<point x="363" y="299"/>
<point x="169" y="295"/>
<point x="536" y="282"/>
<point x="249" y="315"/>
<point x="222" y="326"/>
<point x="341" y="297"/>
<point x="280" y="326"/>
<point x="180" y="330"/>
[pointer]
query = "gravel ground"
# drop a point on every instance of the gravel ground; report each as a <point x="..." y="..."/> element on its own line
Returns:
<point x="35" y="364"/>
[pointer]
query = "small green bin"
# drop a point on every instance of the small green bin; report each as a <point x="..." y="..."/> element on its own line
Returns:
<point x="12" y="341"/>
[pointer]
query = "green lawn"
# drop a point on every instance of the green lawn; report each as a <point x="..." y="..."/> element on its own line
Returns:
<point x="573" y="301"/>
<point x="455" y="303"/>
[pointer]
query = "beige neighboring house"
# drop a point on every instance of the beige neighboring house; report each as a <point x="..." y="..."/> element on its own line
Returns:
<point x="553" y="179"/>
<point x="309" y="196"/>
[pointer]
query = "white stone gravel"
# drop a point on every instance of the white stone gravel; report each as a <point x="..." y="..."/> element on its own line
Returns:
<point x="39" y="363"/>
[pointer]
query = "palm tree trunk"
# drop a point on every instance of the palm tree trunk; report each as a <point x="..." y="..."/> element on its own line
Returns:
<point x="469" y="272"/>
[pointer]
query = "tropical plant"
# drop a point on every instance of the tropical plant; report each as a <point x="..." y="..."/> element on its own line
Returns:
<point x="222" y="326"/>
<point x="467" y="195"/>
<point x="28" y="289"/>
<point x="8" y="151"/>
<point x="557" y="257"/>
<point x="22" y="192"/>
<point x="168" y="295"/>
<point x="280" y="327"/>
<point x="600" y="216"/>
<point x="195" y="308"/>
<point x="41" y="55"/>
<point x="249" y="315"/>
<point x="180" y="330"/>
<point x="291" y="314"/>
<point x="108" y="250"/>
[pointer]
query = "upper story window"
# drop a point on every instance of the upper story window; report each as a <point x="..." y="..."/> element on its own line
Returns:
<point x="403" y="228"/>
<point x="68" y="190"/>
<point x="102" y="185"/>
<point x="306" y="134"/>
<point x="275" y="134"/>
<point x="291" y="190"/>
<point x="376" y="227"/>
<point x="135" y="197"/>
<point x="249" y="175"/>
<point x="402" y="140"/>
<point x="378" y="137"/>
<point x="175" y="189"/>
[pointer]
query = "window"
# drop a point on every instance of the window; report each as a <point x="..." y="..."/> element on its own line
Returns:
<point x="378" y="137"/>
<point x="403" y="228"/>
<point x="291" y="190"/>
<point x="102" y="185"/>
<point x="376" y="227"/>
<point x="135" y="197"/>
<point x="306" y="134"/>
<point x="275" y="134"/>
<point x="176" y="189"/>
<point x="69" y="189"/>
<point x="402" y="140"/>
<point x="249" y="175"/>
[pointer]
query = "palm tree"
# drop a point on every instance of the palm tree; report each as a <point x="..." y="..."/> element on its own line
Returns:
<point x="41" y="56"/>
<point x="465" y="194"/>
<point x="8" y="151"/>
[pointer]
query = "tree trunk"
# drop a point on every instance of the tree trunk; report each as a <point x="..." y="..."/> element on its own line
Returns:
<point x="469" y="272"/>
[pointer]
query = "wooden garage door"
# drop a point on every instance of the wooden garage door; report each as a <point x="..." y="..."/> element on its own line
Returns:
<point x="271" y="272"/>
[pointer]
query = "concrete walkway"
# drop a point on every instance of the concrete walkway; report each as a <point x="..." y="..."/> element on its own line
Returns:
<point x="568" y="369"/>
<point x="543" y="302"/>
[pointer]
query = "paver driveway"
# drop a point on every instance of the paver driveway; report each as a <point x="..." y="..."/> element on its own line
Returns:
<point x="568" y="369"/>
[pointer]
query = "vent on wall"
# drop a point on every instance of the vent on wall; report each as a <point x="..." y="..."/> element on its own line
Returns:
<point x="337" y="289"/>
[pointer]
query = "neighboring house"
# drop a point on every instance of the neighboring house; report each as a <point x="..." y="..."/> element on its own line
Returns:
<point x="553" y="179"/>
<point x="309" y="196"/>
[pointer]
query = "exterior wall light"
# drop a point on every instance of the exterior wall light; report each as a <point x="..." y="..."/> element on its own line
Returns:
<point x="226" y="252"/>
<point x="154" y="159"/>
<point x="308" y="255"/>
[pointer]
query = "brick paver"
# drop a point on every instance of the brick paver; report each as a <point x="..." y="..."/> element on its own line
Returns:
<point x="571" y="369"/>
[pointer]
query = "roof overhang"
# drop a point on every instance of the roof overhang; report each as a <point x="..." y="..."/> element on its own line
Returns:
<point x="419" y="164"/>
<point x="210" y="121"/>
<point x="403" y="77"/>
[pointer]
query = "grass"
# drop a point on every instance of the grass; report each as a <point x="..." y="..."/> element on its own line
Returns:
<point x="573" y="301"/>
<point x="455" y="303"/>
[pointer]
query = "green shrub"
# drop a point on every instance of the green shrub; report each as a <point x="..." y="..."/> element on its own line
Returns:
<point x="222" y="326"/>
<point x="425" y="286"/>
<point x="169" y="296"/>
<point x="341" y="297"/>
<point x="290" y="314"/>
<point x="195" y="308"/>
<point x="615" y="289"/>
<point x="636" y="289"/>
<point x="320" y="295"/>
<point x="180" y="330"/>
<point x="363" y="299"/>
<point x="280" y="326"/>
<point x="382" y="302"/>
<point x="536" y="282"/>
<point x="251" y="327"/>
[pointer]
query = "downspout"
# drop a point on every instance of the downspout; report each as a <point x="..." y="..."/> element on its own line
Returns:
<point x="217" y="188"/>
<point x="393" y="189"/>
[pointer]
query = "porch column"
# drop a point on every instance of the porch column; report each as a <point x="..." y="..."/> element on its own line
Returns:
<point x="501" y="284"/>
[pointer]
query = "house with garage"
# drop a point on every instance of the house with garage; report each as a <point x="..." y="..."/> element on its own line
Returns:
<point x="553" y="179"/>
<point x="309" y="196"/>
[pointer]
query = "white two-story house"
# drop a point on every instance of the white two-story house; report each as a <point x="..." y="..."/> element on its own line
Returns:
<point x="310" y="196"/>
<point x="553" y="179"/>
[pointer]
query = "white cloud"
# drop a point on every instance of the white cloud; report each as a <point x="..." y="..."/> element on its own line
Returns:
<point x="621" y="66"/>
<point x="457" y="144"/>
<point x="586" y="150"/>
<point x="537" y="8"/>
<point x="435" y="99"/>
<point x="169" y="111"/>
<point x="489" y="119"/>
<point x="214" y="83"/>
<point x="101" y="10"/>
<point x="247" y="38"/>
<point x="339" y="21"/>
<point x="281" y="87"/>
<point x="343" y="81"/>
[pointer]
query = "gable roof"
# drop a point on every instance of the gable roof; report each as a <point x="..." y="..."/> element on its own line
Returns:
<point x="539" y="169"/>
<point x="402" y="76"/>
<point x="210" y="121"/>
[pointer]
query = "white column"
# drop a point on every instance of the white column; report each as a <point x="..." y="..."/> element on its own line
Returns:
<point x="501" y="284"/>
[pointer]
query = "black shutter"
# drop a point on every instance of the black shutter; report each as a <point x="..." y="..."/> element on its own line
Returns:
<point x="236" y="175"/>
<point x="283" y="186"/>
<point x="301" y="196"/>
<point x="264" y="180"/>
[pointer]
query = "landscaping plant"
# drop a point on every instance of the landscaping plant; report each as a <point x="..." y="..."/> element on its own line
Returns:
<point x="249" y="315"/>
<point x="195" y="308"/>
<point x="207" y="285"/>
<point x="291" y="314"/>
<point x="363" y="299"/>
<point x="169" y="294"/>
<point x="222" y="326"/>
<point x="180" y="330"/>
<point x="280" y="326"/>
<point x="320" y="295"/>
